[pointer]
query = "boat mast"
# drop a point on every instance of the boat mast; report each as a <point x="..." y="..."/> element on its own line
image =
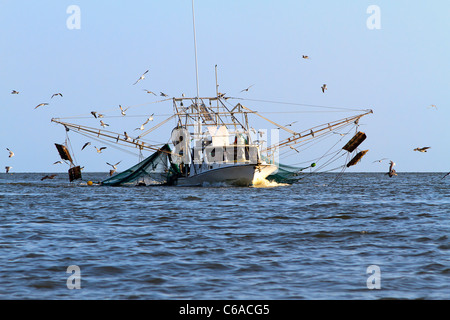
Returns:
<point x="195" y="48"/>
<point x="196" y="71"/>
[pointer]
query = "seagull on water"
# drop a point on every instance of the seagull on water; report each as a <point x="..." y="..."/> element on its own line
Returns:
<point x="40" y="105"/>
<point x="424" y="149"/>
<point x="11" y="154"/>
<point x="142" y="77"/>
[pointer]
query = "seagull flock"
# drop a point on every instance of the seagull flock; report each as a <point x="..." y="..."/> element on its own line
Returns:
<point x="391" y="171"/>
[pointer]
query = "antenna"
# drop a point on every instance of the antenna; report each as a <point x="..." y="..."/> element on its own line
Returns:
<point x="195" y="47"/>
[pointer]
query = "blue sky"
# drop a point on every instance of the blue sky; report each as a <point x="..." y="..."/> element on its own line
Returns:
<point x="398" y="70"/>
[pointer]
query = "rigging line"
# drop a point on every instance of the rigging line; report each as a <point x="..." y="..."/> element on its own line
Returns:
<point x="111" y="144"/>
<point x="132" y="106"/>
<point x="69" y="143"/>
<point x="298" y="104"/>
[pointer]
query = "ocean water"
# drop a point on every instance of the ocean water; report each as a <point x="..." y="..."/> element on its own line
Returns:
<point x="365" y="236"/>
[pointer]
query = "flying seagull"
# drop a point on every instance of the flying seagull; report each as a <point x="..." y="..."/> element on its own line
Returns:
<point x="424" y="149"/>
<point x="163" y="94"/>
<point x="85" y="145"/>
<point x="94" y="114"/>
<point x="11" y="154"/>
<point x="14" y="92"/>
<point x="57" y="162"/>
<point x="51" y="176"/>
<point x="432" y="106"/>
<point x="142" y="127"/>
<point x="392" y="171"/>
<point x="381" y="160"/>
<point x="324" y="87"/>
<point x="305" y="57"/>
<point x="8" y="168"/>
<point x="149" y="119"/>
<point x="127" y="137"/>
<point x="290" y="124"/>
<point x="100" y="150"/>
<point x="103" y="124"/>
<point x="246" y="89"/>
<point x="40" y="105"/>
<point x="56" y="94"/>
<point x="148" y="91"/>
<point x="446" y="175"/>
<point x="123" y="111"/>
<point x="114" y="165"/>
<point x="142" y="77"/>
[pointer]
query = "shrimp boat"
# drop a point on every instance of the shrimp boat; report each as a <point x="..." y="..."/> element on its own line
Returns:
<point x="213" y="142"/>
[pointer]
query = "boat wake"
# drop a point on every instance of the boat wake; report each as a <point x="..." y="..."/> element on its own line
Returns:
<point x="264" y="183"/>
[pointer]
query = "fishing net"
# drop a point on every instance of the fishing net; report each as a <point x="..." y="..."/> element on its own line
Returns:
<point x="154" y="170"/>
<point x="286" y="174"/>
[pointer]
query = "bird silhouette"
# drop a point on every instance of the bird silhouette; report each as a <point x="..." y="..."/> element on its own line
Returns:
<point x="14" y="92"/>
<point x="148" y="91"/>
<point x="85" y="145"/>
<point x="324" y="87"/>
<point x="424" y="149"/>
<point x="122" y="111"/>
<point x="114" y="165"/>
<point x="40" y="105"/>
<point x="141" y="77"/>
<point x="162" y="94"/>
<point x="56" y="94"/>
<point x="100" y="150"/>
<point x="50" y="176"/>
<point x="7" y="168"/>
<point x="246" y="89"/>
<point x="11" y="154"/>
<point x="392" y="171"/>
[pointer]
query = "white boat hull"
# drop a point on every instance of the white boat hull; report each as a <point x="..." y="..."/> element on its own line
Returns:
<point x="237" y="175"/>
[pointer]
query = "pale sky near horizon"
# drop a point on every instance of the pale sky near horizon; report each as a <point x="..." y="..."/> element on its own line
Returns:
<point x="398" y="70"/>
